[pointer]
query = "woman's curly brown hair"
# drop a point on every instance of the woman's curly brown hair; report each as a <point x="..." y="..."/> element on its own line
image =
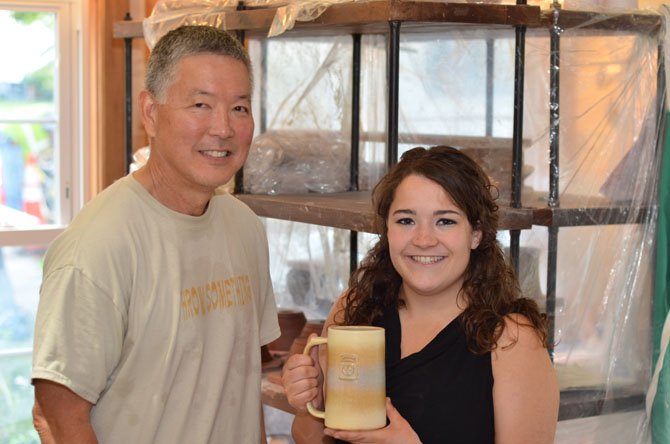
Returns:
<point x="490" y="287"/>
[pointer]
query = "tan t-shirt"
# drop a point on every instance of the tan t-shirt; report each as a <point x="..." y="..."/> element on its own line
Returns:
<point x="157" y="318"/>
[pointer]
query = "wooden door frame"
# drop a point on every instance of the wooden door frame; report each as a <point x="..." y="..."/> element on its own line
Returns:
<point x="106" y="104"/>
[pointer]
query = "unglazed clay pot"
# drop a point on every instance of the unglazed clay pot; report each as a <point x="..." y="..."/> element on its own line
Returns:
<point x="265" y="354"/>
<point x="291" y="323"/>
<point x="299" y="342"/>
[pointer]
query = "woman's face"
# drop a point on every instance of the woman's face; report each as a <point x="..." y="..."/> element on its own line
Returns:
<point x="430" y="239"/>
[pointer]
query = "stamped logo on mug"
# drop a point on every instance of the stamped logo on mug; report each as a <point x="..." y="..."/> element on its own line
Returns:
<point x="348" y="366"/>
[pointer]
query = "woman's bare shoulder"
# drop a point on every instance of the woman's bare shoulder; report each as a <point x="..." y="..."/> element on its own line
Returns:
<point x="518" y="329"/>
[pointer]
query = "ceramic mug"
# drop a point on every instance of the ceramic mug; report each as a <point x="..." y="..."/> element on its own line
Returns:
<point x="355" y="378"/>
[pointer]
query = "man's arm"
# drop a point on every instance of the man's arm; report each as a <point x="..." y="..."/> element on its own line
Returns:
<point x="66" y="414"/>
<point x="40" y="424"/>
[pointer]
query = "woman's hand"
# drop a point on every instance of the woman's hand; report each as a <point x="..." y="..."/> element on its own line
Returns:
<point x="301" y="378"/>
<point x="398" y="431"/>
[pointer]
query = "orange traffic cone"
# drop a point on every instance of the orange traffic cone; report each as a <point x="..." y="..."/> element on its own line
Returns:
<point x="33" y="197"/>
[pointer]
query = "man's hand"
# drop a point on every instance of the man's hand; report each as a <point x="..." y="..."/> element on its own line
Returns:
<point x="302" y="380"/>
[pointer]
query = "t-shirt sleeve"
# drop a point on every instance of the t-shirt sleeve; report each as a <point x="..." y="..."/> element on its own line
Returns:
<point x="78" y="333"/>
<point x="269" y="324"/>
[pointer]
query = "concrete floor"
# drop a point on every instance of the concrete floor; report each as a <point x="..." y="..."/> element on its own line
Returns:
<point x="278" y="425"/>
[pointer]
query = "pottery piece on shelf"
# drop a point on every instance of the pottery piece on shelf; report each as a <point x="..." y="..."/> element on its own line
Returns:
<point x="291" y="323"/>
<point x="265" y="354"/>
<point x="299" y="342"/>
<point x="268" y="361"/>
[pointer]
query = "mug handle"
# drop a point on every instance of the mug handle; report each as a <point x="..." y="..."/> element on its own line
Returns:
<point x="317" y="340"/>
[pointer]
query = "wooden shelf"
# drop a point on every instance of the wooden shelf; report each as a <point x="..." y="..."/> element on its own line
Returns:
<point x="127" y="29"/>
<point x="583" y="403"/>
<point x="579" y="217"/>
<point x="414" y="139"/>
<point x="637" y="22"/>
<point x="349" y="211"/>
<point x="372" y="17"/>
<point x="353" y="211"/>
<point x="576" y="211"/>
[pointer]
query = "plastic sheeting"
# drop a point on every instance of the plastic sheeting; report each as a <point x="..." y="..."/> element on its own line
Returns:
<point x="457" y="87"/>
<point x="305" y="125"/>
<point x="170" y="14"/>
<point x="608" y="158"/>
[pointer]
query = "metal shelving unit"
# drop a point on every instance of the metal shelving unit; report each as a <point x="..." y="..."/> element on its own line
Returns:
<point x="351" y="210"/>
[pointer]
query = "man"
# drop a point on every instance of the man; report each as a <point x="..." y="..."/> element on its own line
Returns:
<point x="156" y="300"/>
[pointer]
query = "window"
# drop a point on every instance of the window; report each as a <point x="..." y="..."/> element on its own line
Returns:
<point x="39" y="179"/>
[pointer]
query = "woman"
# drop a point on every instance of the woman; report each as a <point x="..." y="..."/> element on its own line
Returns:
<point x="466" y="357"/>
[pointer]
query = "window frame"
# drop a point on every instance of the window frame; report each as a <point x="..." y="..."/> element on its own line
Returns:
<point x="70" y="120"/>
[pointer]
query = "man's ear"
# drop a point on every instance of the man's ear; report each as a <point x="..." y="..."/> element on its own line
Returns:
<point x="148" y="105"/>
<point x="476" y="239"/>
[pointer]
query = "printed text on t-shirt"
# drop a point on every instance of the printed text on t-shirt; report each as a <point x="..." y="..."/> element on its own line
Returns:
<point x="215" y="295"/>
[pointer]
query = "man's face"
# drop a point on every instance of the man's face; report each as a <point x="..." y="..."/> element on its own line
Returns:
<point x="202" y="129"/>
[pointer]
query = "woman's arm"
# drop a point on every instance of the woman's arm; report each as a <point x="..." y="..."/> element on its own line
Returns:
<point x="67" y="415"/>
<point x="307" y="429"/>
<point x="525" y="387"/>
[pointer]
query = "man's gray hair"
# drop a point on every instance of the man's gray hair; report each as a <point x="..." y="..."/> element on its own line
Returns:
<point x="187" y="41"/>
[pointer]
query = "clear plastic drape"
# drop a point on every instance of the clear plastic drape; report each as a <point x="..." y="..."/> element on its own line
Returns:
<point x="608" y="158"/>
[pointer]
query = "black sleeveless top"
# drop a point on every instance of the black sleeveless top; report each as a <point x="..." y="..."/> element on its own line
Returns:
<point x="444" y="391"/>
